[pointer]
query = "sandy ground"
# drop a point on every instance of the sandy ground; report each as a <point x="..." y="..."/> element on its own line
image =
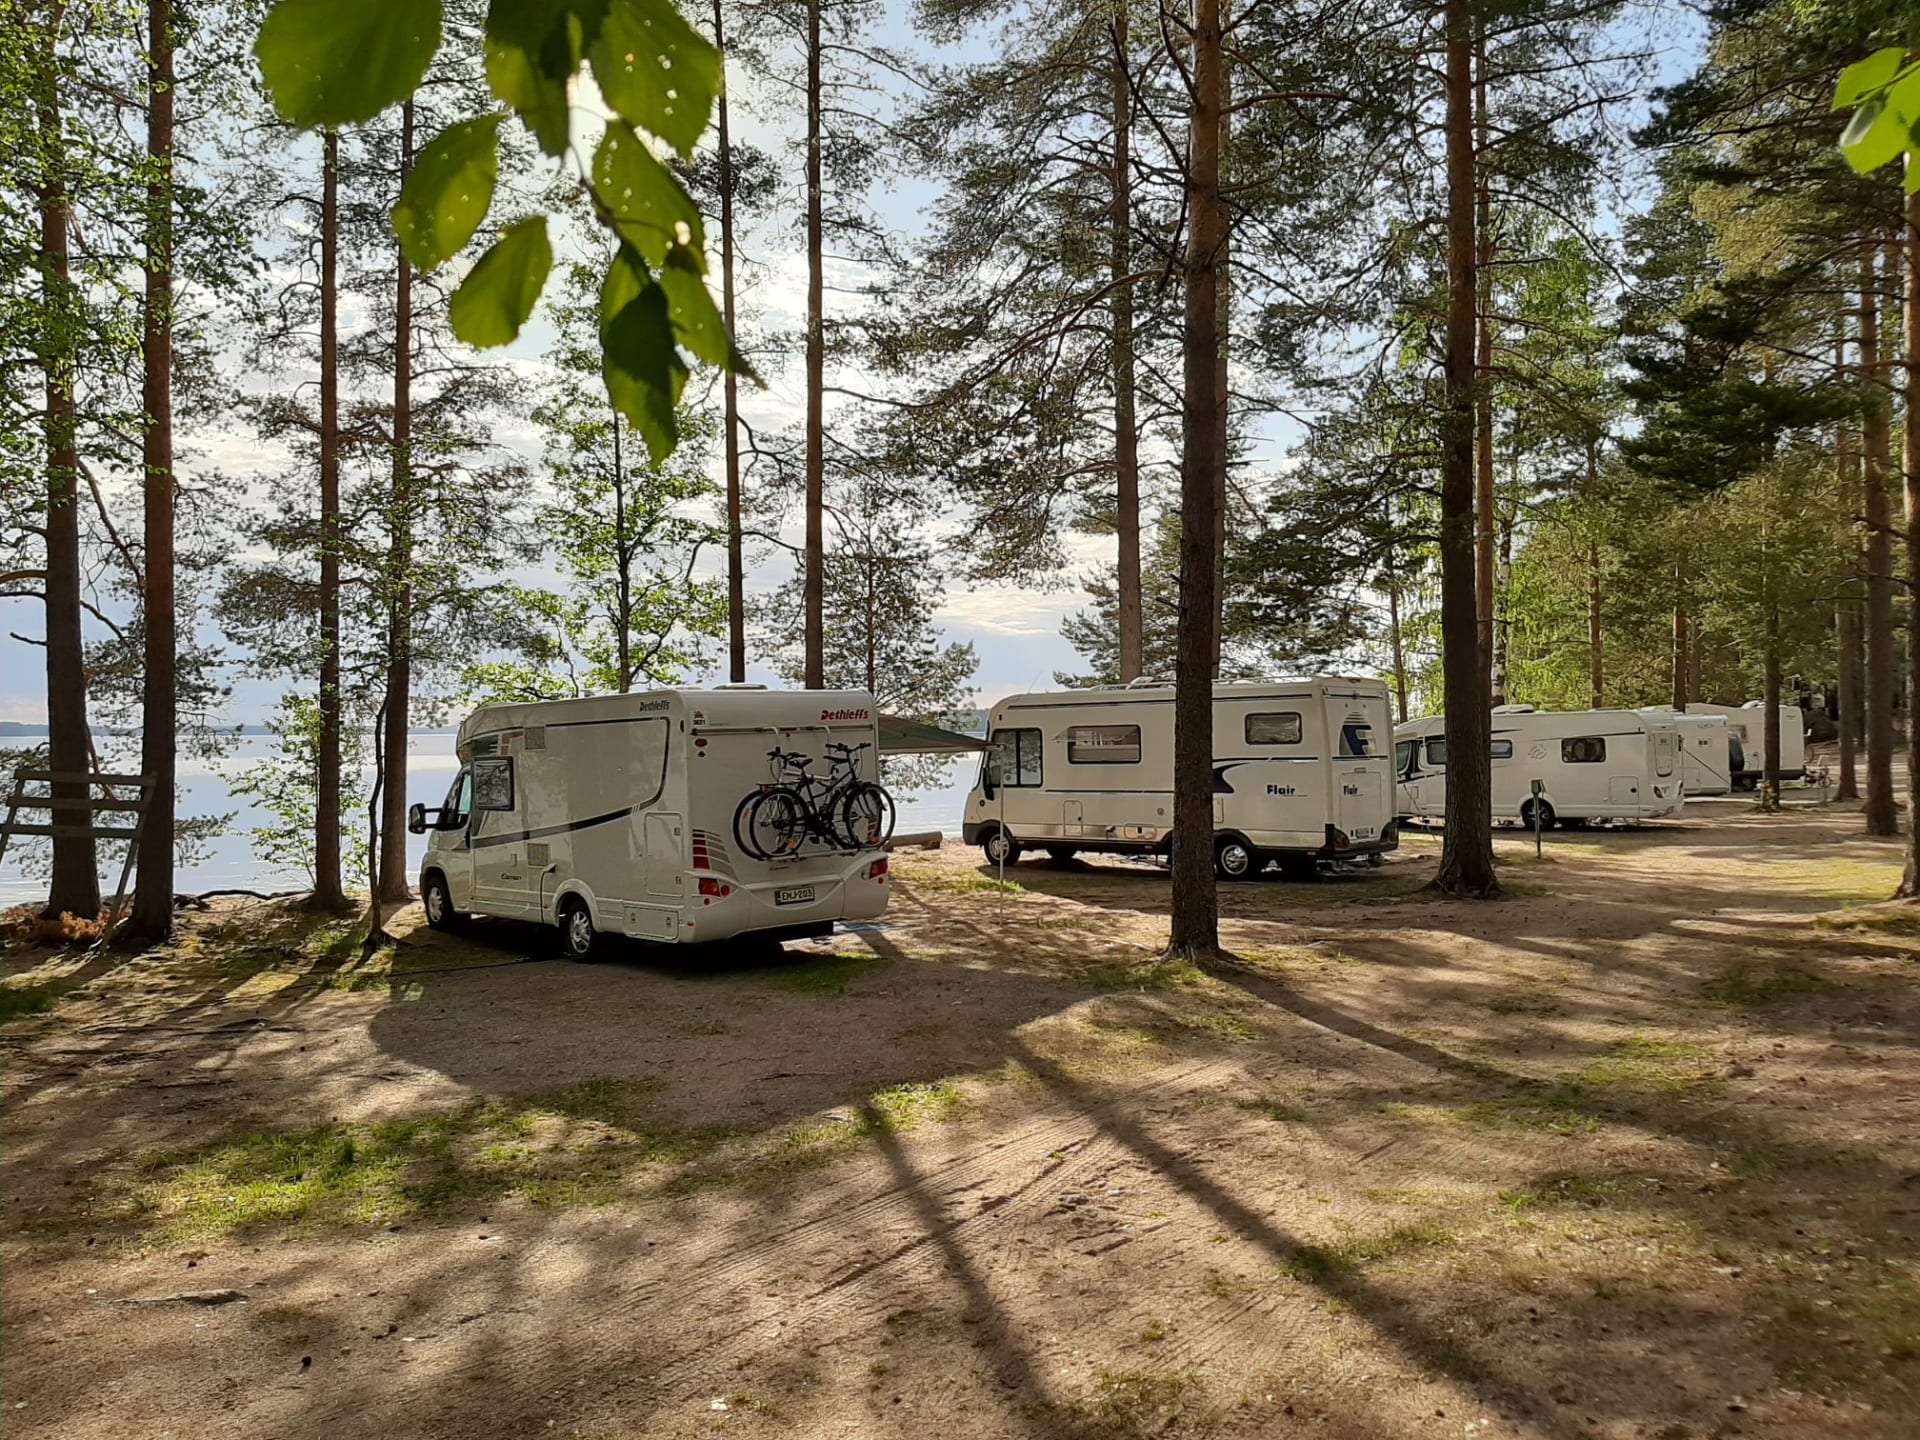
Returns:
<point x="1633" y="1152"/>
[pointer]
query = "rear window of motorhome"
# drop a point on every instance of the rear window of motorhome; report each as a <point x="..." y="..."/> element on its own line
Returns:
<point x="493" y="784"/>
<point x="1103" y="744"/>
<point x="1437" y="751"/>
<point x="1356" y="739"/>
<point x="1584" y="750"/>
<point x="1280" y="728"/>
<point x="1019" y="756"/>
<point x="1402" y="753"/>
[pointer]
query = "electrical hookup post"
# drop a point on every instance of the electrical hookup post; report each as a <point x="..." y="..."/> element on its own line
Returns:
<point x="1539" y="789"/>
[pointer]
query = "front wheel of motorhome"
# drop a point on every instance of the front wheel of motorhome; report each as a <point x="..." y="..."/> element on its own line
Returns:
<point x="577" y="935"/>
<point x="437" y="901"/>
<point x="1233" y="858"/>
<point x="1000" y="848"/>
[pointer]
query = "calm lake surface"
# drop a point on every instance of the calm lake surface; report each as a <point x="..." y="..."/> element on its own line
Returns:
<point x="230" y="861"/>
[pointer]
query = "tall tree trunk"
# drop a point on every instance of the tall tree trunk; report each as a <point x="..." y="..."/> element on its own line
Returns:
<point x="1126" y="439"/>
<point x="392" y="869"/>
<point x="1845" y="636"/>
<point x="1681" y="686"/>
<point x="152" y="915"/>
<point x="1596" y="658"/>
<point x="1880" y="815"/>
<point x="1502" y="578"/>
<point x="1396" y="638"/>
<point x="74" y="888"/>
<point x="1195" y="905"/>
<point x="623" y="556"/>
<point x="814" y="592"/>
<point x="1223" y="287"/>
<point x="1466" y="854"/>
<point x="730" y="386"/>
<point x="1910" y="881"/>
<point x="1487" y="584"/>
<point x="1770" y="722"/>
<point x="328" y="893"/>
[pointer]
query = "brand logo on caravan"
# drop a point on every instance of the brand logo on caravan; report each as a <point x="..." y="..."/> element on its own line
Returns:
<point x="846" y="715"/>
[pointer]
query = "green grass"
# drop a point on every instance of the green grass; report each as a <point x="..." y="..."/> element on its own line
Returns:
<point x="822" y="975"/>
<point x="1743" y="987"/>
<point x="1143" y="974"/>
<point x="18" y="999"/>
<point x="1644" y="1064"/>
<point x="1271" y="1106"/>
<point x="1320" y="1264"/>
<point x="1589" y="1190"/>
<point x="1222" y="1026"/>
<point x="1135" y="1402"/>
<point x="965" y="882"/>
<point x="810" y="1144"/>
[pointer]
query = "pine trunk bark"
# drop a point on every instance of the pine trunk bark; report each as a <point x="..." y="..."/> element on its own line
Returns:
<point x="1223" y="288"/>
<point x="1910" y="881"/>
<point x="1596" y="656"/>
<point x="1770" y="722"/>
<point x="1681" y="656"/>
<point x="1466" y="855"/>
<point x="74" y="886"/>
<point x="1126" y="439"/>
<point x="391" y="872"/>
<point x="1195" y="902"/>
<point x="1844" y="628"/>
<point x="814" y="586"/>
<point x="1880" y="815"/>
<point x="730" y="385"/>
<point x="1486" y="583"/>
<point x="328" y="893"/>
<point x="152" y="916"/>
<point x="1397" y="639"/>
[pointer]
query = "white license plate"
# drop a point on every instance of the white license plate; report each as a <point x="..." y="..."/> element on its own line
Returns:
<point x="793" y="895"/>
<point x="1363" y="832"/>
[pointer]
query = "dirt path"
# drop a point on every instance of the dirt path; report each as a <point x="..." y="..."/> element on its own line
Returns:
<point x="1635" y="1152"/>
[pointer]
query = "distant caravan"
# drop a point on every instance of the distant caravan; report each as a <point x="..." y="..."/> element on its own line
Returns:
<point x="1301" y="774"/>
<point x="1593" y="765"/>
<point x="1711" y="756"/>
<point x="1747" y="724"/>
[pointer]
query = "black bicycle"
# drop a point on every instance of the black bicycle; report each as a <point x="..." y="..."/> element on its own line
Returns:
<point x="839" y="810"/>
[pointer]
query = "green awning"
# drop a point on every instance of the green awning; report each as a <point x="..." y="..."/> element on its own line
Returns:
<point x="900" y="736"/>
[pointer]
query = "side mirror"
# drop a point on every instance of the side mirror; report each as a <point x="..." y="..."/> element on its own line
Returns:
<point x="416" y="819"/>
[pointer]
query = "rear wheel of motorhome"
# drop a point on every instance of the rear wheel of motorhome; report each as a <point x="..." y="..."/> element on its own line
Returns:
<point x="1000" y="848"/>
<point x="1546" y="814"/>
<point x="577" y="935"/>
<point x="866" y="817"/>
<point x="770" y="823"/>
<point x="438" y="902"/>
<point x="1233" y="858"/>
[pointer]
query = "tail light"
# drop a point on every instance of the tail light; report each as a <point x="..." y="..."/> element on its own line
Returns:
<point x="877" y="871"/>
<point x="1339" y="838"/>
<point x="717" y="889"/>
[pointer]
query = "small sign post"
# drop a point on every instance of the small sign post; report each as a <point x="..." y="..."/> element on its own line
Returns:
<point x="1539" y="788"/>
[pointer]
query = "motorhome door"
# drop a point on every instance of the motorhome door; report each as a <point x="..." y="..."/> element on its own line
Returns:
<point x="500" y="885"/>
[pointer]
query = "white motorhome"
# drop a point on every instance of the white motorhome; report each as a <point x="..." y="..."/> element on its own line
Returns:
<point x="1707" y="753"/>
<point x="1593" y="765"/>
<point x="617" y="815"/>
<point x="1747" y="724"/>
<point x="1301" y="774"/>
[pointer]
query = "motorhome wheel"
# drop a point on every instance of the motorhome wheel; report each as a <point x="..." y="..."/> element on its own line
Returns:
<point x="1000" y="848"/>
<point x="438" y="903"/>
<point x="576" y="930"/>
<point x="1232" y="860"/>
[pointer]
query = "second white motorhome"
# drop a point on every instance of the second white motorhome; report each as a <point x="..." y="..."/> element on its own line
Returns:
<point x="672" y="815"/>
<point x="1747" y="724"/>
<point x="1301" y="774"/>
<point x="1709" y="754"/>
<point x="1592" y="765"/>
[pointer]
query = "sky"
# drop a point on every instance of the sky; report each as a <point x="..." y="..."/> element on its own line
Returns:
<point x="1015" y="631"/>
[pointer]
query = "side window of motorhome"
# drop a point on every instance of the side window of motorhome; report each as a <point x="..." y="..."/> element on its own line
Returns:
<point x="1501" y="750"/>
<point x="1436" y="752"/>
<point x="1584" y="750"/>
<point x="1103" y="745"/>
<point x="1019" y="757"/>
<point x="453" y="815"/>
<point x="1356" y="738"/>
<point x="1278" y="728"/>
<point x="1402" y="756"/>
<point x="493" y="784"/>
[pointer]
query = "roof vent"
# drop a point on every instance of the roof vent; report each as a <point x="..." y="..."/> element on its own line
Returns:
<point x="1513" y="710"/>
<point x="740" y="685"/>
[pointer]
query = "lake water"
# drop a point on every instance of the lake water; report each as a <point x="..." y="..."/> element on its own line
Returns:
<point x="231" y="861"/>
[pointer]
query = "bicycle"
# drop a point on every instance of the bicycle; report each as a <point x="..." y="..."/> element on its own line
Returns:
<point x="841" y="811"/>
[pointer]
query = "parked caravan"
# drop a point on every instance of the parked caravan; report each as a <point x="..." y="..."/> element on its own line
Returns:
<point x="1300" y="774"/>
<point x="1747" y="724"/>
<point x="670" y="815"/>
<point x="1708" y="751"/>
<point x="1593" y="765"/>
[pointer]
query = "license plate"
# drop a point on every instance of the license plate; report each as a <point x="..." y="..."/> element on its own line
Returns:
<point x="793" y="895"/>
<point x="1363" y="832"/>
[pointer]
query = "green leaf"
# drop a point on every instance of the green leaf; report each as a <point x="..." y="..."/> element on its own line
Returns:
<point x="448" y="191"/>
<point x="1912" y="182"/>
<point x="1904" y="98"/>
<point x="339" y="62"/>
<point x="533" y="48"/>
<point x="656" y="70"/>
<point x="496" y="298"/>
<point x="641" y="198"/>
<point x="1873" y="137"/>
<point x="696" y="319"/>
<point x="1863" y="77"/>
<point x="643" y="369"/>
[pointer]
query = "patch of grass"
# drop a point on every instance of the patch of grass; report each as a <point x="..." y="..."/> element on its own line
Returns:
<point x="1744" y="987"/>
<point x="1136" y="1402"/>
<point x="966" y="882"/>
<point x="1153" y="1332"/>
<point x="1271" y="1106"/>
<point x="18" y="1000"/>
<point x="1320" y="1264"/>
<point x="1644" y="1064"/>
<point x="1589" y="1190"/>
<point x="823" y="974"/>
<point x="1223" y="1286"/>
<point x="1222" y="1026"/>
<point x="1896" y="917"/>
<point x="896" y="1110"/>
<point x="1149" y="973"/>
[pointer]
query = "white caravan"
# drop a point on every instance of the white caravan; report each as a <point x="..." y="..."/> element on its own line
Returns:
<point x="1300" y="774"/>
<point x="1707" y="756"/>
<point x="1593" y="765"/>
<point x="1747" y="724"/>
<point x="616" y="814"/>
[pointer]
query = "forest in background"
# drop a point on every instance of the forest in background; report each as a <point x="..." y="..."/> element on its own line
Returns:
<point x="1592" y="395"/>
